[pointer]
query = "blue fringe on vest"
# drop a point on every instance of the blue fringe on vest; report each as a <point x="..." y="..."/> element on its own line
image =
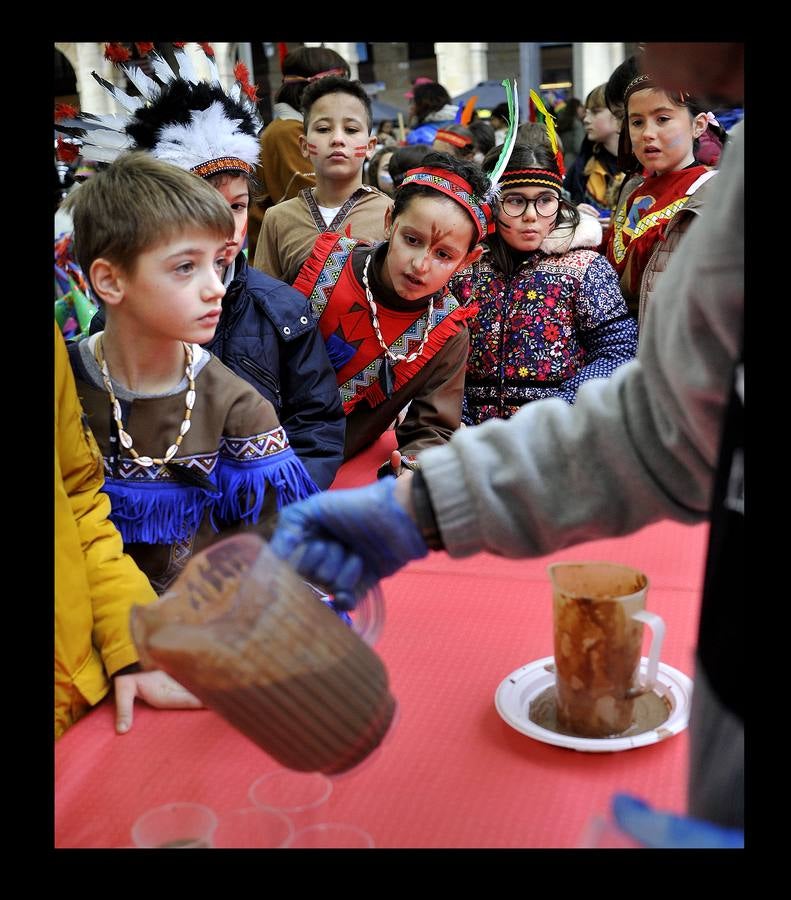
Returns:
<point x="243" y="484"/>
<point x="164" y="511"/>
<point x="156" y="512"/>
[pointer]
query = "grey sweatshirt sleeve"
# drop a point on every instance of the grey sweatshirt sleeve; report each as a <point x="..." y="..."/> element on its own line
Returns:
<point x="635" y="448"/>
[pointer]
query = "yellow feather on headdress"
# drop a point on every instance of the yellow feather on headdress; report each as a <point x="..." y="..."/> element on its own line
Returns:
<point x="549" y="123"/>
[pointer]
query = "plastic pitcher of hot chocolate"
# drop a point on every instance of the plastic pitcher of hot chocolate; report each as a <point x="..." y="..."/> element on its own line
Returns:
<point x="598" y="615"/>
<point x="244" y="633"/>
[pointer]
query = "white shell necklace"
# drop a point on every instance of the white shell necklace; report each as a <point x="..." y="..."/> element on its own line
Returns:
<point x="394" y="357"/>
<point x="123" y="436"/>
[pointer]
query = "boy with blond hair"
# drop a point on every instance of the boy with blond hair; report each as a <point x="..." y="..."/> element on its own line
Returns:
<point x="189" y="448"/>
<point x="337" y="140"/>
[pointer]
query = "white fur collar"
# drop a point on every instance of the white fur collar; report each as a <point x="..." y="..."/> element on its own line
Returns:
<point x="562" y="239"/>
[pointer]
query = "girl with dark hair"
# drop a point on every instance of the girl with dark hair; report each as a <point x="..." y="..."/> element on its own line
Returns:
<point x="283" y="171"/>
<point x="433" y="109"/>
<point x="550" y="313"/>
<point x="395" y="334"/>
<point x="661" y="134"/>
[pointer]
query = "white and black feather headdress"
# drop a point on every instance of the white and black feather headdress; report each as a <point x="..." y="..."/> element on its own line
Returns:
<point x="179" y="117"/>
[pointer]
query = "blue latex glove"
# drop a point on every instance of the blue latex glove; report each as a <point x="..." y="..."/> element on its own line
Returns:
<point x="346" y="541"/>
<point x="668" y="831"/>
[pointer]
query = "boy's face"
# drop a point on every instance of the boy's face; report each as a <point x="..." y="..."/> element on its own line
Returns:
<point x="600" y="124"/>
<point x="236" y="191"/>
<point x="175" y="290"/>
<point x="429" y="241"/>
<point x="337" y="140"/>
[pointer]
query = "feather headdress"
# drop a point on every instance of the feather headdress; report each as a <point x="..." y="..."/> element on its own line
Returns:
<point x="549" y="122"/>
<point x="176" y="116"/>
<point x="512" y="99"/>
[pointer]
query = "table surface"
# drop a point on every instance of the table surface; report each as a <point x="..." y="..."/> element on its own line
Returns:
<point x="452" y="774"/>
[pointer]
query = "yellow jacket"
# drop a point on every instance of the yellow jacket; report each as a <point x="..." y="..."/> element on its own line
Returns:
<point x="96" y="583"/>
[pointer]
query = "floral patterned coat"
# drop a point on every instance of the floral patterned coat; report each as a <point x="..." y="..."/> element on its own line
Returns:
<point x="559" y="320"/>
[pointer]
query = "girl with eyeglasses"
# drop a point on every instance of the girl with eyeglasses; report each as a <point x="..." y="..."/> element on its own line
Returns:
<point x="550" y="311"/>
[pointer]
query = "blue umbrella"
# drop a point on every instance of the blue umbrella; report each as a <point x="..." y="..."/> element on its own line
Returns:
<point x="489" y="94"/>
<point x="381" y="111"/>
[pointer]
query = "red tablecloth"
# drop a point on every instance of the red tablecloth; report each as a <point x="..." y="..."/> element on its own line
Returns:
<point x="453" y="773"/>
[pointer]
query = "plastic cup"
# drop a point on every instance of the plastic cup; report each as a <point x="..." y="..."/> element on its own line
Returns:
<point x="300" y="796"/>
<point x="334" y="835"/>
<point x="175" y="826"/>
<point x="253" y="827"/>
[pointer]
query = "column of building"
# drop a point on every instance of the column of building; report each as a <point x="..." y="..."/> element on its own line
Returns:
<point x="460" y="66"/>
<point x="593" y="63"/>
<point x="86" y="58"/>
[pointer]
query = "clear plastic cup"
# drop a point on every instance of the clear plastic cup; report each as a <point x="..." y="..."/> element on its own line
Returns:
<point x="300" y="796"/>
<point x="253" y="827"/>
<point x="336" y="835"/>
<point x="176" y="826"/>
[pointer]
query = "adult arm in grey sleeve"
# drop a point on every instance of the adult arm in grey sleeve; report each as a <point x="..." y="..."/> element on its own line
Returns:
<point x="635" y="448"/>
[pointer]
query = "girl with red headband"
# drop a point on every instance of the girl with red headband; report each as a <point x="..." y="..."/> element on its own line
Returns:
<point x="550" y="313"/>
<point x="394" y="332"/>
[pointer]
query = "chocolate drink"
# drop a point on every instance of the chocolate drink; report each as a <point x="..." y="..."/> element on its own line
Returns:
<point x="597" y="652"/>
<point x="275" y="662"/>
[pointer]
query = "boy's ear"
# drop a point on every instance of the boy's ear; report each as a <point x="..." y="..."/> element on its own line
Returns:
<point x="303" y="146"/>
<point x="372" y="142"/>
<point x="106" y="280"/>
<point x="388" y="221"/>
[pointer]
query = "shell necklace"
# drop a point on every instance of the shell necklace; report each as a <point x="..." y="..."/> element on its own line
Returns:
<point x="394" y="357"/>
<point x="123" y="436"/>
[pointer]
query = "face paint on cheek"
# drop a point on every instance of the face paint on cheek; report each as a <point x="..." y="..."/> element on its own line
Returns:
<point x="313" y="149"/>
<point x="244" y="229"/>
<point x="361" y="151"/>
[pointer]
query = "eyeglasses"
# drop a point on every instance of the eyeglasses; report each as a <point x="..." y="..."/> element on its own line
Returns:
<point x="546" y="205"/>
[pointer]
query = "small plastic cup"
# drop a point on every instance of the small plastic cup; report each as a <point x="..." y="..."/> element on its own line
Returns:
<point x="299" y="796"/>
<point x="335" y="835"/>
<point x="175" y="826"/>
<point x="253" y="827"/>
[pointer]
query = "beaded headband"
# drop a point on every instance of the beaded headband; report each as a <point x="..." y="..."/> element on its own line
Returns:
<point x="459" y="189"/>
<point x="290" y="79"/>
<point x="531" y="176"/>
<point x="646" y="82"/>
<point x="179" y="118"/>
<point x="450" y="137"/>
